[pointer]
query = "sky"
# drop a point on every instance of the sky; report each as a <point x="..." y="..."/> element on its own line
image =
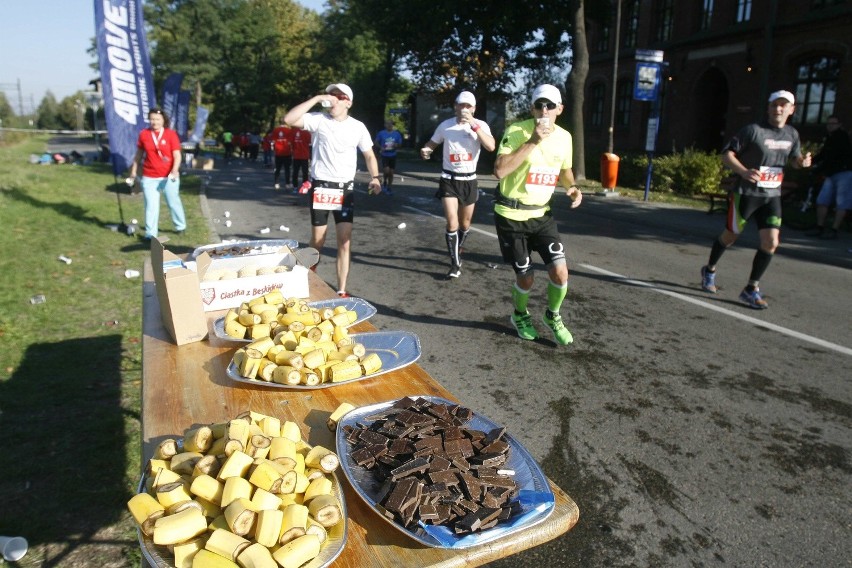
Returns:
<point x="43" y="46"/>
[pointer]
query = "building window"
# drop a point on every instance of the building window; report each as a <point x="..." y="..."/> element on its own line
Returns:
<point x="816" y="90"/>
<point x="596" y="105"/>
<point x="743" y="10"/>
<point x="603" y="39"/>
<point x="631" y="27"/>
<point x="622" y="102"/>
<point x="707" y="15"/>
<point x="665" y="20"/>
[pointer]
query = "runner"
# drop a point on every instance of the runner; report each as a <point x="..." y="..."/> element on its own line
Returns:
<point x="336" y="138"/>
<point x="463" y="136"/>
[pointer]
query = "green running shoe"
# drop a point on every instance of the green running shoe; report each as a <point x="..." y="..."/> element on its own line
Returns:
<point x="560" y="333"/>
<point x="523" y="323"/>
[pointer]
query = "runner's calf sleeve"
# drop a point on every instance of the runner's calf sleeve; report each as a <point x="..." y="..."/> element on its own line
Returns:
<point x="453" y="247"/>
<point x="520" y="298"/>
<point x="555" y="296"/>
<point x="716" y="252"/>
<point x="759" y="265"/>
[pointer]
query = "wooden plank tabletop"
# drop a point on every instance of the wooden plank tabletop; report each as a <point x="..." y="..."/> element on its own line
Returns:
<point x="187" y="386"/>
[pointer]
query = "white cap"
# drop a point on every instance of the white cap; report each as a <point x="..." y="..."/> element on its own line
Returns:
<point x="466" y="97"/>
<point x="782" y="95"/>
<point x="548" y="92"/>
<point x="342" y="88"/>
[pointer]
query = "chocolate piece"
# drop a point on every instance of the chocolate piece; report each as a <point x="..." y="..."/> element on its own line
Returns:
<point x="447" y="477"/>
<point x="496" y="447"/>
<point x="461" y="446"/>
<point x="396" y="499"/>
<point x="370" y="437"/>
<point x="399" y="447"/>
<point x="470" y="486"/>
<point x="494" y="435"/>
<point x="428" y="513"/>
<point x="363" y="457"/>
<point x="439" y="463"/>
<point x="468" y="523"/>
<point x="417" y="465"/>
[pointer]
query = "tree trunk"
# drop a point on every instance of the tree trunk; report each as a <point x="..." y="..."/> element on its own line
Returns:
<point x="575" y="86"/>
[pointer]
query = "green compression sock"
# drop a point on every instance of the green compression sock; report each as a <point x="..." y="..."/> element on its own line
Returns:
<point x="520" y="299"/>
<point x="555" y="296"/>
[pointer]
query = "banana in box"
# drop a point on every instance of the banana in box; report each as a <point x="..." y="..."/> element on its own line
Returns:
<point x="228" y="282"/>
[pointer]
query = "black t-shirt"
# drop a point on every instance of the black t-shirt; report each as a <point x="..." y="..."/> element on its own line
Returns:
<point x="763" y="147"/>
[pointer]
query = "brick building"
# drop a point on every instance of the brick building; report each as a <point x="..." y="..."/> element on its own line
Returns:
<point x="722" y="59"/>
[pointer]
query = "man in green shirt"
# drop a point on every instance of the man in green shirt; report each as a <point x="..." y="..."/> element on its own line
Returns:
<point x="534" y="157"/>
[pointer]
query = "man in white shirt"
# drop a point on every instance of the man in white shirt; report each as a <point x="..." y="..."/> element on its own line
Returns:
<point x="336" y="137"/>
<point x="463" y="136"/>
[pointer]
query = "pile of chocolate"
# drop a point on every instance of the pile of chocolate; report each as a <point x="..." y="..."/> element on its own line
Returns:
<point x="432" y="468"/>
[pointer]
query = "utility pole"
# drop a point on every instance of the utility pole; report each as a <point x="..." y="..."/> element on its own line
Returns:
<point x="610" y="143"/>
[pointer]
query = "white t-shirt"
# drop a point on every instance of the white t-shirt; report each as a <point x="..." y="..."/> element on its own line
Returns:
<point x="333" y="157"/>
<point x="461" y="145"/>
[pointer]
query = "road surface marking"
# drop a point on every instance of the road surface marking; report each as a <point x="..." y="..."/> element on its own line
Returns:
<point x="701" y="303"/>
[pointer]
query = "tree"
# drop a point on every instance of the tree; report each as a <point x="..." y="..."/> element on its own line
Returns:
<point x="575" y="86"/>
<point x="48" y="113"/>
<point x="248" y="57"/>
<point x="6" y="111"/>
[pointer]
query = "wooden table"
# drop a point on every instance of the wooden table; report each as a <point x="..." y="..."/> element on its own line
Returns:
<point x="187" y="385"/>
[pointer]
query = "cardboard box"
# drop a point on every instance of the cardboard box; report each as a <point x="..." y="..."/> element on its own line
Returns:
<point x="231" y="292"/>
<point x="177" y="289"/>
<point x="202" y="163"/>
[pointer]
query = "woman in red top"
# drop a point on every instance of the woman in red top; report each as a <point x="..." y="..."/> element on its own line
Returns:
<point x="160" y="147"/>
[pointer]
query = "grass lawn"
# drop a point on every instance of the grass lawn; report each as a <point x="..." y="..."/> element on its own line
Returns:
<point x="70" y="368"/>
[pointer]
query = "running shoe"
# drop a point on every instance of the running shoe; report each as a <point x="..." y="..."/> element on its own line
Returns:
<point x="455" y="271"/>
<point x="708" y="280"/>
<point x="523" y="325"/>
<point x="343" y="293"/>
<point x="560" y="332"/>
<point x="753" y="299"/>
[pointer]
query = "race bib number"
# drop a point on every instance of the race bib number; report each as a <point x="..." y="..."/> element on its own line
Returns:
<point x="390" y="144"/>
<point x="328" y="198"/>
<point x="461" y="157"/>
<point x="770" y="177"/>
<point x="542" y="178"/>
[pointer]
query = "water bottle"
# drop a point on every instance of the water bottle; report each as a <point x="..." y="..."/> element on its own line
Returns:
<point x="305" y="187"/>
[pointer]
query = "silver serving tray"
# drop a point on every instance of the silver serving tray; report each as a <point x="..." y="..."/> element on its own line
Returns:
<point x="363" y="309"/>
<point x="160" y="557"/>
<point x="396" y="349"/>
<point x="535" y="496"/>
<point x="292" y="243"/>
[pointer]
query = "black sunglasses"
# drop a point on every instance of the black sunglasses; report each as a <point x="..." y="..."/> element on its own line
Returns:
<point x="541" y="105"/>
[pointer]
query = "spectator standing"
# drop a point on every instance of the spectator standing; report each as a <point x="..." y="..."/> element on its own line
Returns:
<point x="158" y="149"/>
<point x="463" y="137"/>
<point x="282" y="146"/>
<point x="833" y="162"/>
<point x="254" y="146"/>
<point x="387" y="141"/>
<point x="534" y="157"/>
<point x="757" y="154"/>
<point x="301" y="156"/>
<point x="336" y="139"/>
<point x="266" y="144"/>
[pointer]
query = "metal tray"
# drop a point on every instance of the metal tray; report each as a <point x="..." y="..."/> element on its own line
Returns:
<point x="262" y="246"/>
<point x="363" y="309"/>
<point x="160" y="557"/>
<point x="535" y="496"/>
<point x="396" y="349"/>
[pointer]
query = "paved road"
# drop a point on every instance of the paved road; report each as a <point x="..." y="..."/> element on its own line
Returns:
<point x="690" y="430"/>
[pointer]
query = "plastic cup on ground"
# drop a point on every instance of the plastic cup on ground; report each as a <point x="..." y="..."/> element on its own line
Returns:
<point x="130" y="273"/>
<point x="13" y="547"/>
<point x="401" y="226"/>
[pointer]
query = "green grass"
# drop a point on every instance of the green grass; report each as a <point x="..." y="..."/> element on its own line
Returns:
<point x="70" y="368"/>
